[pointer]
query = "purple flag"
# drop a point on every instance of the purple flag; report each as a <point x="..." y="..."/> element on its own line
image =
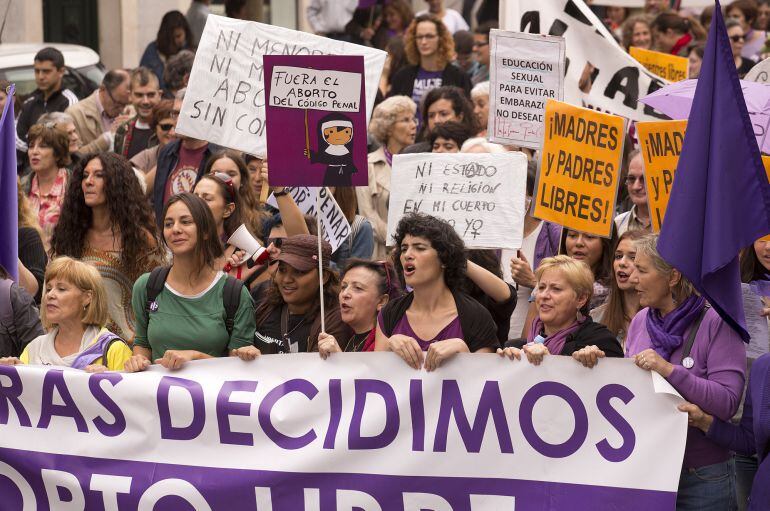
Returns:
<point x="9" y="224"/>
<point x="720" y="200"/>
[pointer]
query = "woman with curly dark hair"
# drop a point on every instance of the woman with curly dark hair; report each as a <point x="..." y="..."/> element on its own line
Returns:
<point x="436" y="317"/>
<point x="107" y="222"/>
<point x="429" y="49"/>
<point x="173" y="35"/>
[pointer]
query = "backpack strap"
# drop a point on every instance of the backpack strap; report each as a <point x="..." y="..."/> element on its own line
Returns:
<point x="155" y="285"/>
<point x="231" y="298"/>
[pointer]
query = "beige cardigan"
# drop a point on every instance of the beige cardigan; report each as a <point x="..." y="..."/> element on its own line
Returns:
<point x="88" y="123"/>
<point x="373" y="200"/>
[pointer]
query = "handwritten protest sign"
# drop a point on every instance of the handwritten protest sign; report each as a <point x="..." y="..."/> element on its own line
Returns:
<point x="316" y="120"/>
<point x="295" y="432"/>
<point x="617" y="82"/>
<point x="336" y="227"/>
<point x="578" y="179"/>
<point x="525" y="71"/>
<point x="670" y="67"/>
<point x="481" y="195"/>
<point x="225" y="99"/>
<point x="661" y="143"/>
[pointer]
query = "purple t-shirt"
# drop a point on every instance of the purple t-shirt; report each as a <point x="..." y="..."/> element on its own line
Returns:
<point x="424" y="82"/>
<point x="715" y="382"/>
<point x="453" y="330"/>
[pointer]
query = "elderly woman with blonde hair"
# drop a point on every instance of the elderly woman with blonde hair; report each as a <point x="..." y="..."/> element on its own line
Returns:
<point x="563" y="326"/>
<point x="393" y="125"/>
<point x="74" y="311"/>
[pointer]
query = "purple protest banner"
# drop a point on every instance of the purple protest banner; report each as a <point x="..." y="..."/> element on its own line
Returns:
<point x="316" y="120"/>
<point x="358" y="431"/>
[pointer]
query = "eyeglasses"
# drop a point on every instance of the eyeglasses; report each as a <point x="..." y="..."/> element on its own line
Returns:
<point x="737" y="38"/>
<point x="166" y="126"/>
<point x="112" y="98"/>
<point x="426" y="37"/>
<point x="630" y="180"/>
<point x="477" y="44"/>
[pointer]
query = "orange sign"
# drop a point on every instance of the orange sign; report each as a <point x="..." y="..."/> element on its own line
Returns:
<point x="670" y="67"/>
<point x="581" y="159"/>
<point x="661" y="144"/>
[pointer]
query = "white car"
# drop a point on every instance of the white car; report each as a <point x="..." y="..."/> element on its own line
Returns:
<point x="84" y="70"/>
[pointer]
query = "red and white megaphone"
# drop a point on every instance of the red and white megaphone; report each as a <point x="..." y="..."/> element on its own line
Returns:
<point x="243" y="240"/>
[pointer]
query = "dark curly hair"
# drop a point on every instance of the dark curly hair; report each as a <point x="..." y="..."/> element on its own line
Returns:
<point x="130" y="212"/>
<point x="442" y="237"/>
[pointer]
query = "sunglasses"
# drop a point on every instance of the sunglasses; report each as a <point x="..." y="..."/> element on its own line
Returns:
<point x="737" y="38"/>
<point x="166" y="126"/>
<point x="277" y="242"/>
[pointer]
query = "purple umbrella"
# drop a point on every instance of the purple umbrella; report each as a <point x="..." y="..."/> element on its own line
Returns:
<point x="675" y="101"/>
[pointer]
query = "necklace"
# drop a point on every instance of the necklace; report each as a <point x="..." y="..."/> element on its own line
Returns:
<point x="357" y="345"/>
<point x="285" y="326"/>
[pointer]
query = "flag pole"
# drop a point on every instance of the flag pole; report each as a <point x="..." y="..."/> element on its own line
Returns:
<point x="307" y="137"/>
<point x="320" y="260"/>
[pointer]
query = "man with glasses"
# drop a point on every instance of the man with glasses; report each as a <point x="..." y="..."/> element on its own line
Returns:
<point x="638" y="217"/>
<point x="481" y="51"/>
<point x="136" y="134"/>
<point x="98" y="116"/>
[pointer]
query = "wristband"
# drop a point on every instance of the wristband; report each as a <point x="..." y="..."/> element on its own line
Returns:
<point x="283" y="192"/>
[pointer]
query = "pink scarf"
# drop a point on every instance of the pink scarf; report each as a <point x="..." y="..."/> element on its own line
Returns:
<point x="554" y="342"/>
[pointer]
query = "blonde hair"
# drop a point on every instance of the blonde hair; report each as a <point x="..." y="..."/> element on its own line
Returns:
<point x="385" y="115"/>
<point x="84" y="277"/>
<point x="577" y="273"/>
<point x="26" y="217"/>
<point x="648" y="246"/>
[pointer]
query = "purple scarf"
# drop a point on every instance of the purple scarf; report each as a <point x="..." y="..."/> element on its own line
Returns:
<point x="388" y="156"/>
<point x="94" y="352"/>
<point x="667" y="333"/>
<point x="554" y="342"/>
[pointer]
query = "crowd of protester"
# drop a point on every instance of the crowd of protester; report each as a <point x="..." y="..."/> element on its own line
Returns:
<point x="123" y="229"/>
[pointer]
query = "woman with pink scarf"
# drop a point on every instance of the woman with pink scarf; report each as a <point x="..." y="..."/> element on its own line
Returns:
<point x="563" y="326"/>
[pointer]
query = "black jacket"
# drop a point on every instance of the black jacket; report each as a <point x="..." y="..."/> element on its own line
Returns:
<point x="589" y="334"/>
<point x="403" y="81"/>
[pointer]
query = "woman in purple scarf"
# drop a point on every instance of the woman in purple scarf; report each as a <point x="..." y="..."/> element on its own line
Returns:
<point x="562" y="326"/>
<point x="688" y="344"/>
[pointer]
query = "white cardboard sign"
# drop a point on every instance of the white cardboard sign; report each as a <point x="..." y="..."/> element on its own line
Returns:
<point x="481" y="195"/>
<point x="225" y="99"/>
<point x="299" y="87"/>
<point x="336" y="227"/>
<point x="526" y="71"/>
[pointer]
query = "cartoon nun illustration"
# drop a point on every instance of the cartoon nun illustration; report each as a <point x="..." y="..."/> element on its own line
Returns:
<point x="335" y="149"/>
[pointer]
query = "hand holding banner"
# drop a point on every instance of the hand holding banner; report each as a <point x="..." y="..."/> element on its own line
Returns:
<point x="578" y="180"/>
<point x="296" y="432"/>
